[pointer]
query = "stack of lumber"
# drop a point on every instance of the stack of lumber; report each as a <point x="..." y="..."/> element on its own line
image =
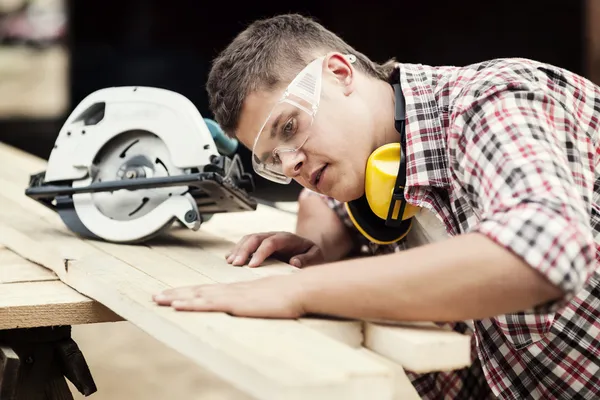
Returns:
<point x="268" y="359"/>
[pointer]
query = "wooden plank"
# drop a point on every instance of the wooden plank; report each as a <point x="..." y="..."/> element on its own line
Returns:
<point x="403" y="387"/>
<point x="289" y="206"/>
<point x="426" y="229"/>
<point x="14" y="269"/>
<point x="420" y="348"/>
<point x="266" y="358"/>
<point x="48" y="303"/>
<point x="31" y="295"/>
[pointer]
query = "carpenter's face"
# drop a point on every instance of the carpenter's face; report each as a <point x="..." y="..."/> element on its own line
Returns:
<point x="326" y="151"/>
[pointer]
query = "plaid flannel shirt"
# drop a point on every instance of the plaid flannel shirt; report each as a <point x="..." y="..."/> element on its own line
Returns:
<point x="509" y="148"/>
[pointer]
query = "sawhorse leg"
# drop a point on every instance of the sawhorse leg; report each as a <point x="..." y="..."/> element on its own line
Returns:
<point x="35" y="361"/>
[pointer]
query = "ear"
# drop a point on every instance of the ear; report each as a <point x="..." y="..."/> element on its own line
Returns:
<point x="342" y="71"/>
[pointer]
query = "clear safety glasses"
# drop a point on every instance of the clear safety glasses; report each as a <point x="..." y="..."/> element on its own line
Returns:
<point x="288" y="125"/>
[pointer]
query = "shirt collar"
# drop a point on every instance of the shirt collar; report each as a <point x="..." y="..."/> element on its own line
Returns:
<point x="426" y="138"/>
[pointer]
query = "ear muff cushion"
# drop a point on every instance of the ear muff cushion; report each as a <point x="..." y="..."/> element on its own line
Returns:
<point x="371" y="226"/>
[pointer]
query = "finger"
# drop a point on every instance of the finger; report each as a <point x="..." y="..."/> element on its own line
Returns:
<point x="178" y="290"/>
<point x="311" y="257"/>
<point x="169" y="295"/>
<point x="231" y="254"/>
<point x="246" y="247"/>
<point x="163" y="300"/>
<point x="283" y="243"/>
<point x="270" y="245"/>
<point x="200" y="304"/>
<point x="196" y="304"/>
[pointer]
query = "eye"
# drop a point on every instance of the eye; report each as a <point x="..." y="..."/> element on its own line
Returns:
<point x="289" y="128"/>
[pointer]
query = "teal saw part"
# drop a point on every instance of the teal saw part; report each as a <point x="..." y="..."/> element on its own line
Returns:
<point x="225" y="145"/>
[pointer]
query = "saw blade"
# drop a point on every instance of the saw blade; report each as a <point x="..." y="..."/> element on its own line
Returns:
<point x="130" y="155"/>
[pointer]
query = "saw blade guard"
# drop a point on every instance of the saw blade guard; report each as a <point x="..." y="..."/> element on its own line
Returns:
<point x="133" y="215"/>
<point x="109" y="112"/>
<point x="182" y="208"/>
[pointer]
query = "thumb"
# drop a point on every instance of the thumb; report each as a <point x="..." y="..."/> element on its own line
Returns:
<point x="311" y="257"/>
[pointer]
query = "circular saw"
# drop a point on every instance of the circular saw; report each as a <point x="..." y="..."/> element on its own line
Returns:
<point x="131" y="161"/>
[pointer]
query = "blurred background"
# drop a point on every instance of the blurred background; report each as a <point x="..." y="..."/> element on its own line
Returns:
<point x="55" y="52"/>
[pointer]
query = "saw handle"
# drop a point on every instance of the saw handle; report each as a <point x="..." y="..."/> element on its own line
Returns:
<point x="226" y="145"/>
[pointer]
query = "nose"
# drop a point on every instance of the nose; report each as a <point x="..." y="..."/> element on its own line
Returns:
<point x="292" y="162"/>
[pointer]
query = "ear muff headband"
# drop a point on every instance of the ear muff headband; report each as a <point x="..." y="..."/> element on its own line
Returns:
<point x="372" y="227"/>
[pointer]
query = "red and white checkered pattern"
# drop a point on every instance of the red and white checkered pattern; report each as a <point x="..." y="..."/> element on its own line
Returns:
<point x="509" y="148"/>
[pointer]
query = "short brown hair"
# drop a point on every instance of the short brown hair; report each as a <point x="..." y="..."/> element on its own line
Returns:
<point x="268" y="52"/>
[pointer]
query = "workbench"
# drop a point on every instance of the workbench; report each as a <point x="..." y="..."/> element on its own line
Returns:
<point x="51" y="279"/>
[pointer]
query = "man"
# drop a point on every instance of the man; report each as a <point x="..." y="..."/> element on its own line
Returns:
<point x="503" y="152"/>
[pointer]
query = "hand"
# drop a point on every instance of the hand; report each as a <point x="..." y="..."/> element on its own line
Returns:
<point x="293" y="249"/>
<point x="272" y="297"/>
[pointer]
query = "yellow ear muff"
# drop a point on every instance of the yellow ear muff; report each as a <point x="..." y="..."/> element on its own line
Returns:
<point x="380" y="182"/>
<point x="370" y="212"/>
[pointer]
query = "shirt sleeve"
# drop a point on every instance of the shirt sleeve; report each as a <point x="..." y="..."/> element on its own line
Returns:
<point x="528" y="171"/>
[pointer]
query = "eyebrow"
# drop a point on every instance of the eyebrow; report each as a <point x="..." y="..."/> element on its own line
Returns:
<point x="274" y="126"/>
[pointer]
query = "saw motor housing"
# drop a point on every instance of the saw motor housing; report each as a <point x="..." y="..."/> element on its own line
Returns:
<point x="130" y="161"/>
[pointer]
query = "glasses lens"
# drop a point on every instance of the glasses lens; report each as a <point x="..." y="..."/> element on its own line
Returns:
<point x="287" y="127"/>
<point x="286" y="130"/>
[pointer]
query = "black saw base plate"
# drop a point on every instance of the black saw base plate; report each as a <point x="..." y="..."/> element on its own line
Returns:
<point x="213" y="193"/>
